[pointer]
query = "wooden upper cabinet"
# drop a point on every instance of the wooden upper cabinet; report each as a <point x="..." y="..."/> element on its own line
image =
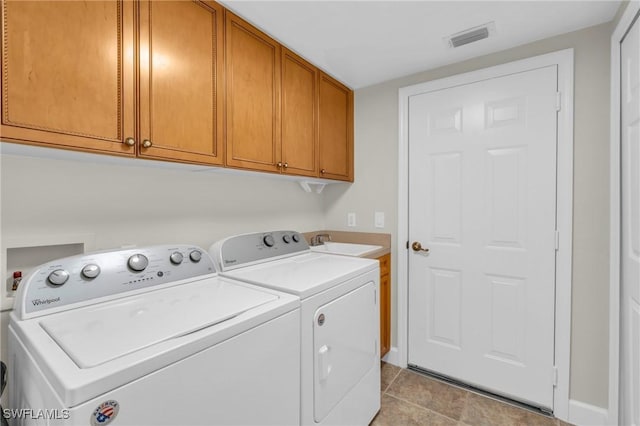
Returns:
<point x="181" y="81"/>
<point x="299" y="115"/>
<point x="336" y="129"/>
<point x="68" y="74"/>
<point x="252" y="97"/>
<point x="184" y="81"/>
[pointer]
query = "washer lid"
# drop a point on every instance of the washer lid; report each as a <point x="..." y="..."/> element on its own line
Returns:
<point x="306" y="274"/>
<point x="100" y="333"/>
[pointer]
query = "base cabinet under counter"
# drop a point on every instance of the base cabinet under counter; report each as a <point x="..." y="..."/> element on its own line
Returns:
<point x="385" y="304"/>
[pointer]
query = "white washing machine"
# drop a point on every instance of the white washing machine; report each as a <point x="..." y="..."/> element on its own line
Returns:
<point x="151" y="336"/>
<point x="340" y="319"/>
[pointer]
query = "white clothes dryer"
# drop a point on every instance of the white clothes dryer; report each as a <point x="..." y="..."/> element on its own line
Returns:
<point x="340" y="319"/>
<point x="151" y="336"/>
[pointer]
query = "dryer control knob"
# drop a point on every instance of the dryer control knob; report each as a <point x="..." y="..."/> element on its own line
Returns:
<point x="296" y="238"/>
<point x="195" y="256"/>
<point x="58" y="277"/>
<point x="91" y="271"/>
<point x="286" y="239"/>
<point x="138" y="262"/>
<point x="176" y="258"/>
<point x="268" y="240"/>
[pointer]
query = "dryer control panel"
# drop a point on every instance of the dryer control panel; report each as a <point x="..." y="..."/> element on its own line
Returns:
<point x="247" y="249"/>
<point x="94" y="277"/>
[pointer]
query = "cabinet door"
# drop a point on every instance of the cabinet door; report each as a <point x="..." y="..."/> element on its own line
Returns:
<point x="336" y="129"/>
<point x="181" y="77"/>
<point x="385" y="315"/>
<point x="253" y="97"/>
<point x="299" y="115"/>
<point x="68" y="74"/>
<point x="385" y="304"/>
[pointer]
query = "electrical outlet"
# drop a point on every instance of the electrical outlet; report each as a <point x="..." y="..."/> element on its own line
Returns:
<point x="351" y="219"/>
<point x="378" y="219"/>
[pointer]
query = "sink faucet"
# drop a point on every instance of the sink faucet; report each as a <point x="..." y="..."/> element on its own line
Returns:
<point x="318" y="239"/>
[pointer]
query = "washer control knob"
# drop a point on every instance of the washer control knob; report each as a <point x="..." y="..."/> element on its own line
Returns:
<point x="138" y="262"/>
<point x="58" y="277"/>
<point x="286" y="239"/>
<point x="268" y="240"/>
<point x="195" y="256"/>
<point x="91" y="271"/>
<point x="176" y="258"/>
<point x="296" y="238"/>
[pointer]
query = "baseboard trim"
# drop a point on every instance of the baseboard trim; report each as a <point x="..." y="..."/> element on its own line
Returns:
<point x="582" y="414"/>
<point x="392" y="357"/>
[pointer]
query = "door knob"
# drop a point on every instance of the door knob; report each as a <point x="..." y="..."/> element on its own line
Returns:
<point x="416" y="246"/>
<point x="147" y="143"/>
<point x="130" y="141"/>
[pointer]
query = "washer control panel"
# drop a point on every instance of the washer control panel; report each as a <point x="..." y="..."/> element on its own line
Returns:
<point x="241" y="250"/>
<point x="87" y="277"/>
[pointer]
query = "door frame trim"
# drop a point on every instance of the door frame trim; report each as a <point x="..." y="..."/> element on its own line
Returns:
<point x="564" y="205"/>
<point x="615" y="370"/>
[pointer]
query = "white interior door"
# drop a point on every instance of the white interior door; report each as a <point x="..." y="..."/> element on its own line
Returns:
<point x="630" y="227"/>
<point x="482" y="199"/>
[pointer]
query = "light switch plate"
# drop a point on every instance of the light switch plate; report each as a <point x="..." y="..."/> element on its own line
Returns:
<point x="351" y="219"/>
<point x="378" y="219"/>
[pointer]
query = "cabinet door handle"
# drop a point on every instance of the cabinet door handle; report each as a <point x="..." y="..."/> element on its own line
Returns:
<point x="147" y="143"/>
<point x="279" y="164"/>
<point x="130" y="141"/>
<point x="323" y="171"/>
<point x="285" y="165"/>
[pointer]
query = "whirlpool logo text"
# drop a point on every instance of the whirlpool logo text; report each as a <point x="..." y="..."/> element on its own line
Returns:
<point x="38" y="302"/>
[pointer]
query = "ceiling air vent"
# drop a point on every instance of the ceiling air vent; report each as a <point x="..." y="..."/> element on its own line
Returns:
<point x="470" y="35"/>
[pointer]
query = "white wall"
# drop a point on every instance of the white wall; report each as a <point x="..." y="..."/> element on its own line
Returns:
<point x="133" y="204"/>
<point x="375" y="188"/>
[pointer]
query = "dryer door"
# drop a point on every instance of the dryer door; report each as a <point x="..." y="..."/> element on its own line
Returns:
<point x="345" y="339"/>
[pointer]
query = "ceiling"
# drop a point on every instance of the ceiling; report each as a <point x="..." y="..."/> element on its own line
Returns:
<point x="367" y="42"/>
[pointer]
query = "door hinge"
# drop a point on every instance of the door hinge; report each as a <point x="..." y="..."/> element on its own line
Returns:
<point x="555" y="376"/>
<point x="558" y="101"/>
<point x="557" y="240"/>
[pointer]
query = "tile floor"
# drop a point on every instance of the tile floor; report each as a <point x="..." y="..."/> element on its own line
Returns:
<point x="410" y="398"/>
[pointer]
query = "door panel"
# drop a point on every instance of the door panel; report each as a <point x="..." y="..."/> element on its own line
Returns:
<point x="345" y="346"/>
<point x="253" y="97"/>
<point x="506" y="178"/>
<point x="68" y="74"/>
<point x="299" y="123"/>
<point x="181" y="81"/>
<point x="630" y="227"/>
<point x="336" y="129"/>
<point x="446" y="199"/>
<point x="482" y="199"/>
<point x="444" y="304"/>
<point x="507" y="319"/>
